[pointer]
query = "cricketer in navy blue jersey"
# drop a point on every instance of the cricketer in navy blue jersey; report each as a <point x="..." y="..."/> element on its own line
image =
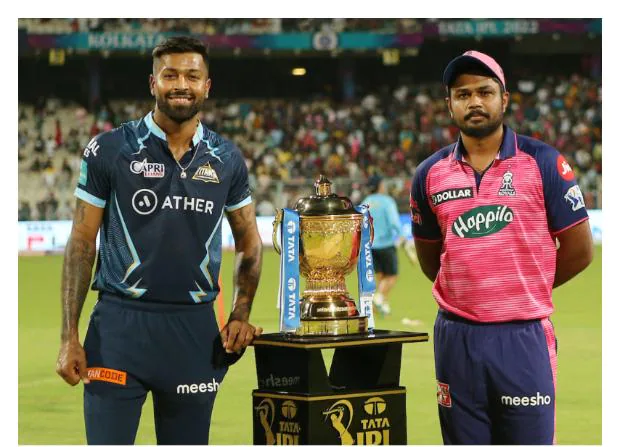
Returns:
<point x="156" y="189"/>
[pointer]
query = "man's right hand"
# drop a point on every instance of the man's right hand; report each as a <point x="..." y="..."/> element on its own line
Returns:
<point x="71" y="363"/>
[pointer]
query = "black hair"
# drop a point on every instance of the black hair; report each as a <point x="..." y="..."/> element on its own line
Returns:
<point x="181" y="44"/>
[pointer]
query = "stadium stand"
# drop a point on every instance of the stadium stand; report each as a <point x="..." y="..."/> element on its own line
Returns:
<point x="287" y="143"/>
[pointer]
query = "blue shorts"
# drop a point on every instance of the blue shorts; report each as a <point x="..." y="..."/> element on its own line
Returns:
<point x="171" y="350"/>
<point x="495" y="381"/>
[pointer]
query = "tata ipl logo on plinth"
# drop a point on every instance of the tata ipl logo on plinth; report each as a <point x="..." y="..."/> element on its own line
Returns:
<point x="374" y="425"/>
<point x="289" y="429"/>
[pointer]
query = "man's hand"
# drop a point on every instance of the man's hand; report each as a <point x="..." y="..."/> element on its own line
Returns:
<point x="238" y="335"/>
<point x="71" y="363"/>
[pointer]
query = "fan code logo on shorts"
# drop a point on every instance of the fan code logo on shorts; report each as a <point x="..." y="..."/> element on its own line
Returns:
<point x="108" y="375"/>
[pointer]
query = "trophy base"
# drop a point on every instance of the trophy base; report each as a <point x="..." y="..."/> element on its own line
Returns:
<point x="334" y="326"/>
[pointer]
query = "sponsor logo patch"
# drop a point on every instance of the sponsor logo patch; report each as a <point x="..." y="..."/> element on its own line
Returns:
<point x="564" y="169"/>
<point x="207" y="174"/>
<point x="575" y="198"/>
<point x="194" y="388"/>
<point x="148" y="170"/>
<point x="507" y="189"/>
<point x="452" y="194"/>
<point x="416" y="216"/>
<point x="443" y="394"/>
<point x="91" y="148"/>
<point x="108" y="375"/>
<point x="482" y="221"/>
<point x="526" y="401"/>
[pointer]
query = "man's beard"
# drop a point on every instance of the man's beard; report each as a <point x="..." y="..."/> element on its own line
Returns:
<point x="480" y="131"/>
<point x="179" y="113"/>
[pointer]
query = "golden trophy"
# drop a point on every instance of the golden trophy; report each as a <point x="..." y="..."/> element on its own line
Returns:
<point x="330" y="235"/>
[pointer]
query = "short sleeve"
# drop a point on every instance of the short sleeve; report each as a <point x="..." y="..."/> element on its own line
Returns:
<point x="94" y="180"/>
<point x="239" y="194"/>
<point x="564" y="202"/>
<point x="424" y="223"/>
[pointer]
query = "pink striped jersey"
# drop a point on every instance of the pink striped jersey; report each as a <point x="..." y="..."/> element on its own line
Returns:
<point x="498" y="228"/>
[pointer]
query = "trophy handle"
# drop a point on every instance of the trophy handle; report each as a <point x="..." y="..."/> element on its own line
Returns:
<point x="274" y="235"/>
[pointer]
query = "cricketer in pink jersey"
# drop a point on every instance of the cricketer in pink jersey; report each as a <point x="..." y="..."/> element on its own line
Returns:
<point x="487" y="214"/>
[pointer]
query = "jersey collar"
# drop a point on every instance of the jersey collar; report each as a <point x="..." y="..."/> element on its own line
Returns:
<point x="153" y="128"/>
<point x="507" y="149"/>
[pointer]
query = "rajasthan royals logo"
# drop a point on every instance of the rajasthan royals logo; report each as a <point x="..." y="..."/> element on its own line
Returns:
<point x="507" y="189"/>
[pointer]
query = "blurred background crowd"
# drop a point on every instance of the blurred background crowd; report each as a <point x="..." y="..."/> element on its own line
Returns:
<point x="384" y="128"/>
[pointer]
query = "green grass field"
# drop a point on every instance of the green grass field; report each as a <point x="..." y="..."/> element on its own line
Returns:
<point x="50" y="412"/>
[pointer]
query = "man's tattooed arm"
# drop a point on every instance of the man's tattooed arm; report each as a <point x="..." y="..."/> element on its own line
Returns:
<point x="248" y="261"/>
<point x="77" y="266"/>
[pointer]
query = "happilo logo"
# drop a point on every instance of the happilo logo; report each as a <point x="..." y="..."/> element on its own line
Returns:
<point x="526" y="401"/>
<point x="482" y="221"/>
<point x="375" y="427"/>
<point x="289" y="429"/>
<point x="195" y="388"/>
<point x="149" y="170"/>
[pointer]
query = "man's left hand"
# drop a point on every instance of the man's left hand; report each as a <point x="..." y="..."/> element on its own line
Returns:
<point x="238" y="335"/>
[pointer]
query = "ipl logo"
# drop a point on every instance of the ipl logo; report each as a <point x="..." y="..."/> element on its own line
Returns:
<point x="341" y="415"/>
<point x="575" y="198"/>
<point x="266" y="413"/>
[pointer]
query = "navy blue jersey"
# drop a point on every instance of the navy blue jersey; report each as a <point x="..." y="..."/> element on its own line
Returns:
<point x="160" y="239"/>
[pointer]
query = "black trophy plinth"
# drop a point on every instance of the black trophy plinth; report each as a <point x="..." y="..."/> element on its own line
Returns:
<point x="359" y="402"/>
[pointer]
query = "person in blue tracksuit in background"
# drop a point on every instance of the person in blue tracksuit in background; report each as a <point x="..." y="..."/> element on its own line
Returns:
<point x="388" y="235"/>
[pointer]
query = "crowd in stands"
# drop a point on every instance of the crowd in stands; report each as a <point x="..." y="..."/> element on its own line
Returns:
<point x="245" y="26"/>
<point x="287" y="144"/>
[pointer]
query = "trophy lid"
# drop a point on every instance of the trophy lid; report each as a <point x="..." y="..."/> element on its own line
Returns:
<point x="324" y="202"/>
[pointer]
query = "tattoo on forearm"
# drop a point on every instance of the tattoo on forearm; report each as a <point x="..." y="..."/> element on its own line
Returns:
<point x="246" y="277"/>
<point x="76" y="274"/>
<point x="248" y="263"/>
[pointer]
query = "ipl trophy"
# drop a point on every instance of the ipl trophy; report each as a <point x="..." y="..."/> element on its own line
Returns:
<point x="360" y="399"/>
<point x="326" y="233"/>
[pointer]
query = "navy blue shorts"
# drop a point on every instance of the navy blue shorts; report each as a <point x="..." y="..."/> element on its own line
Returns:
<point x="496" y="381"/>
<point x="385" y="261"/>
<point x="173" y="351"/>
